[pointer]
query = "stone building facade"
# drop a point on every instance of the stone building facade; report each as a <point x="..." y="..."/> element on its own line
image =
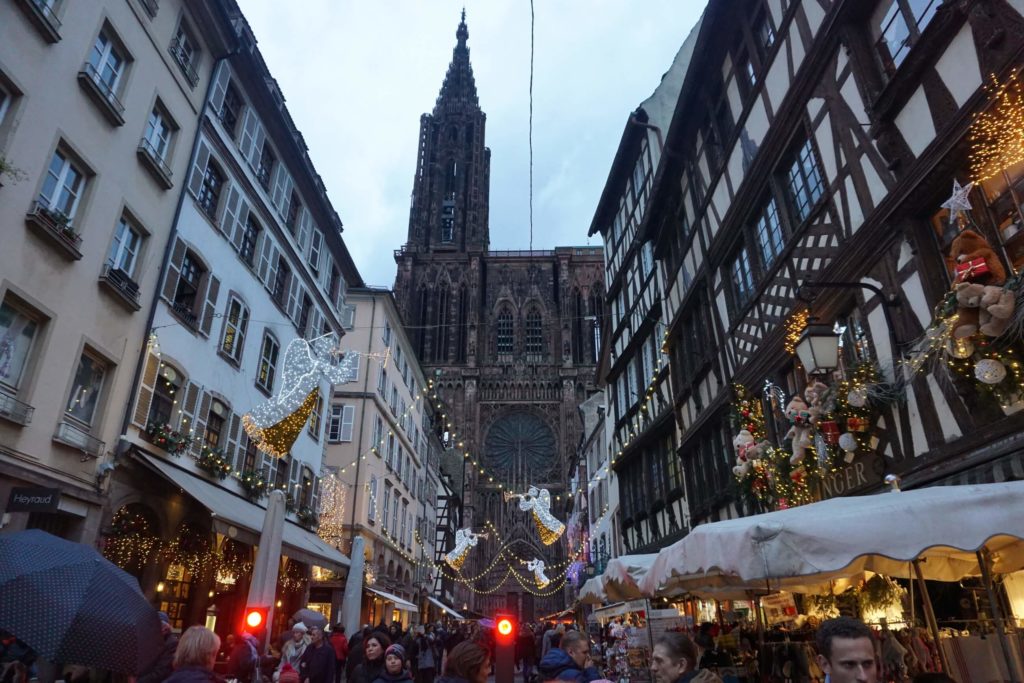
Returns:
<point x="510" y="338"/>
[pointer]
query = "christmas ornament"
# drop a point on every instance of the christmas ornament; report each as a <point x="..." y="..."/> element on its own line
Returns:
<point x="960" y="348"/>
<point x="989" y="371"/>
<point x="537" y="567"/>
<point x="848" y="442"/>
<point x="465" y="539"/>
<point x="959" y="200"/>
<point x="857" y="397"/>
<point x="538" y="502"/>
<point x="275" y="424"/>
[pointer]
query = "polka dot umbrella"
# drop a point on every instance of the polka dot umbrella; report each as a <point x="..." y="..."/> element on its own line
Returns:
<point x="70" y="605"/>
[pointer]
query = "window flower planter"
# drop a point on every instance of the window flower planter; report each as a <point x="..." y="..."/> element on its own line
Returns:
<point x="56" y="227"/>
<point x="172" y="441"/>
<point x="213" y="462"/>
<point x="254" y="484"/>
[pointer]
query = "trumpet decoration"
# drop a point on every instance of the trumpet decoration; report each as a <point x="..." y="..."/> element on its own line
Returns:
<point x="275" y="424"/>
<point x="465" y="539"/>
<point x="537" y="567"/>
<point x="538" y="502"/>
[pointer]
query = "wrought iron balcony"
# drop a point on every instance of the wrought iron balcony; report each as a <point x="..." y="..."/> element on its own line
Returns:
<point x="184" y="61"/>
<point x="101" y="93"/>
<point x="76" y="437"/>
<point x="151" y="7"/>
<point x="155" y="163"/>
<point x="42" y="16"/>
<point x="184" y="312"/>
<point x="55" y="227"/>
<point x="13" y="410"/>
<point x="122" y="285"/>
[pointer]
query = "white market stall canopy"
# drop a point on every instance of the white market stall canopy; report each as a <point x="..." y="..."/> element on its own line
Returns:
<point x="592" y="592"/>
<point x="621" y="578"/>
<point x="942" y="526"/>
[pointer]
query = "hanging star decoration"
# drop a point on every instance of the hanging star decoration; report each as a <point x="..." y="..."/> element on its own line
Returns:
<point x="959" y="201"/>
<point x="537" y="567"/>
<point x="275" y="424"/>
<point x="465" y="539"/>
<point x="538" y="503"/>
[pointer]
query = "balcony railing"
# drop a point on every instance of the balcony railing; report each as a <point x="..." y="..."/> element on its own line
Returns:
<point x="14" y="410"/>
<point x="101" y="93"/>
<point x="184" y="61"/>
<point x="184" y="312"/>
<point x="155" y="163"/>
<point x="122" y="285"/>
<point x="41" y="14"/>
<point x="151" y="7"/>
<point x="76" y="437"/>
<point x="56" y="227"/>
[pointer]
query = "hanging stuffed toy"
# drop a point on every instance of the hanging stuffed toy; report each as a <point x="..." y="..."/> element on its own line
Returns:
<point x="538" y="502"/>
<point x="465" y="539"/>
<point x="801" y="420"/>
<point x="537" y="567"/>
<point x="275" y="424"/>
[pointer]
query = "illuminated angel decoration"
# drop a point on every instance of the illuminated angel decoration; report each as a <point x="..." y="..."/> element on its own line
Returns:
<point x="465" y="539"/>
<point x="538" y="502"/>
<point x="275" y="424"/>
<point x="537" y="567"/>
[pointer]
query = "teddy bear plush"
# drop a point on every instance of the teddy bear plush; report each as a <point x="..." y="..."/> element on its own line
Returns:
<point x="969" y="248"/>
<point x="968" y="305"/>
<point x="995" y="311"/>
<point x="801" y="417"/>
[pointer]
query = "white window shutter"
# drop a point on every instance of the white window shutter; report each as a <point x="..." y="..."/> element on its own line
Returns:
<point x="348" y="416"/>
<point x="316" y="245"/>
<point x="347" y="315"/>
<point x="294" y="298"/>
<point x="342" y="291"/>
<point x="230" y="216"/>
<point x="195" y="181"/>
<point x="146" y="386"/>
<point x="240" y="223"/>
<point x="274" y="255"/>
<point x="305" y="226"/>
<point x="220" y="87"/>
<point x="325" y="271"/>
<point x="248" y="135"/>
<point x="282" y="185"/>
<point x="268" y="259"/>
<point x="212" y="291"/>
<point x="256" y="151"/>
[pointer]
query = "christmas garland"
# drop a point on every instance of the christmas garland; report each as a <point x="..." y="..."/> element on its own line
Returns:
<point x="254" y="484"/>
<point x="171" y="440"/>
<point x="213" y="462"/>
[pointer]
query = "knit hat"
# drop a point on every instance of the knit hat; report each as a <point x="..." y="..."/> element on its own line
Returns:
<point x="288" y="674"/>
<point x="299" y="626"/>
<point x="396" y="650"/>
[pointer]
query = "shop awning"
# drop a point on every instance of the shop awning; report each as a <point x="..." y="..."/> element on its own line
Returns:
<point x="943" y="526"/>
<point x="446" y="608"/>
<point x="400" y="604"/>
<point x="230" y="510"/>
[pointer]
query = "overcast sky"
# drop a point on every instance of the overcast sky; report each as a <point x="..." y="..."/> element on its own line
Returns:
<point x="357" y="75"/>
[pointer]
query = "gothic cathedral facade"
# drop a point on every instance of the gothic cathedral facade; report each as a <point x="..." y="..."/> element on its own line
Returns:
<point x="510" y="339"/>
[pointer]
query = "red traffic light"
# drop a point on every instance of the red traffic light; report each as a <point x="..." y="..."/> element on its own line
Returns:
<point x="504" y="626"/>
<point x="255" y="617"/>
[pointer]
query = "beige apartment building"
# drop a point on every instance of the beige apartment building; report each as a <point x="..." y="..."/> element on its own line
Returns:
<point x="99" y="104"/>
<point x="385" y="445"/>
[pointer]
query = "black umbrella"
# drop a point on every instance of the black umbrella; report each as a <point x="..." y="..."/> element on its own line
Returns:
<point x="310" y="618"/>
<point x="72" y="606"/>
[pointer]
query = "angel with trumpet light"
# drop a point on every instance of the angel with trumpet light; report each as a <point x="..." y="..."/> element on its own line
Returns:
<point x="465" y="539"/>
<point x="537" y="567"/>
<point x="538" y="502"/>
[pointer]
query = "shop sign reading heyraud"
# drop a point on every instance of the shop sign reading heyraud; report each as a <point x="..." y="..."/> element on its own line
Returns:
<point x="865" y="471"/>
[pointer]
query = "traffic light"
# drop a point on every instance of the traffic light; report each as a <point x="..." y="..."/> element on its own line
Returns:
<point x="505" y="633"/>
<point x="255" y="619"/>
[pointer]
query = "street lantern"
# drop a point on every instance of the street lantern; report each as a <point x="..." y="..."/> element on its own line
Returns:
<point x="818" y="349"/>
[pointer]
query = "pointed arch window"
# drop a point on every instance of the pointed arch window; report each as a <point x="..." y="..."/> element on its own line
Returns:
<point x="443" y="326"/>
<point x="505" y="334"/>
<point x="597" y="315"/>
<point x="421" y="330"/>
<point x="579" y="312"/>
<point x="534" y="333"/>
<point x="462" y="325"/>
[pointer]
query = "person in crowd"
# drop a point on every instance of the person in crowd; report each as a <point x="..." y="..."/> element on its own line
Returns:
<point x="395" y="632"/>
<point x="674" y="660"/>
<point x="292" y="651"/>
<point x="466" y="663"/>
<point x="395" y="666"/>
<point x="227" y="647"/>
<point x="426" y="657"/>
<point x="846" y="651"/>
<point x="408" y="643"/>
<point x="569" y="661"/>
<point x="526" y="651"/>
<point x="340" y="644"/>
<point x="289" y="675"/>
<point x="243" y="664"/>
<point x="318" y="660"/>
<point x="374" y="646"/>
<point x="355" y="651"/>
<point x="162" y="667"/>
<point x="195" y="656"/>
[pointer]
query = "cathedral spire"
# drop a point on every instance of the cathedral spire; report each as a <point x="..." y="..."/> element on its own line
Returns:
<point x="458" y="92"/>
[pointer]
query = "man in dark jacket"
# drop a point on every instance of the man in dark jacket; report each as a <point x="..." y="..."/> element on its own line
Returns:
<point x="570" y="661"/>
<point x="163" y="667"/>
<point x="526" y="651"/>
<point x="317" y="663"/>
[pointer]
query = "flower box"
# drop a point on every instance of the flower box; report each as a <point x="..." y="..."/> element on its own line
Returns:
<point x="213" y="462"/>
<point x="254" y="484"/>
<point x="172" y="441"/>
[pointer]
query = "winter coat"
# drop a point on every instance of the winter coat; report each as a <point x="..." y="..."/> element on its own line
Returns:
<point x="385" y="677"/>
<point x="194" y="674"/>
<point x="355" y="654"/>
<point x="292" y="652"/>
<point x="244" y="659"/>
<point x="368" y="671"/>
<point x="526" y="648"/>
<point x="558" y="665"/>
<point x="425" y="653"/>
<point x="164" y="664"/>
<point x="317" y="664"/>
<point x="340" y="644"/>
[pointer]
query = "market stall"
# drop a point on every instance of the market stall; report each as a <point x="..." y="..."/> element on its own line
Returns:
<point x="623" y="574"/>
<point x="897" y="534"/>
<point x="628" y="633"/>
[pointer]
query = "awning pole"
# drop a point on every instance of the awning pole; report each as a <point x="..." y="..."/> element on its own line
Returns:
<point x="997" y="612"/>
<point x="929" y="615"/>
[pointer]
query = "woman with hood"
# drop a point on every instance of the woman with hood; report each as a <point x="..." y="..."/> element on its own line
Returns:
<point x="467" y="663"/>
<point x="195" y="656"/>
<point x="395" y="669"/>
<point x="370" y="669"/>
<point x="293" y="650"/>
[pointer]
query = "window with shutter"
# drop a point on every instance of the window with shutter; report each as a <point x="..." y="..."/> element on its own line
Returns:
<point x="234" y="432"/>
<point x="173" y="270"/>
<point x="371" y="501"/>
<point x="334" y="425"/>
<point x="242" y="230"/>
<point x="268" y="259"/>
<point x="305" y="228"/>
<point x="187" y="409"/>
<point x="249" y="126"/>
<point x="315" y="245"/>
<point x="199" y="423"/>
<point x="347" y="421"/>
<point x="220" y="88"/>
<point x="195" y="181"/>
<point x="212" y="291"/>
<point x="255" y="155"/>
<point x="148" y="382"/>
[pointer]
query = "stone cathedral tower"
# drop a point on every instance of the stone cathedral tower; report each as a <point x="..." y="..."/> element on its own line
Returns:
<point x="510" y="337"/>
